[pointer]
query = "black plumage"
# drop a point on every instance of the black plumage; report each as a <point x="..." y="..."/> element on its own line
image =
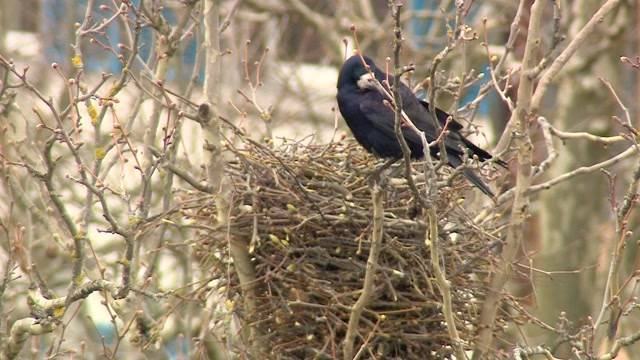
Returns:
<point x="362" y="104"/>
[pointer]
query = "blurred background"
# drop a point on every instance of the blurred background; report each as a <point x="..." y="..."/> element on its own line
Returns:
<point x="280" y="60"/>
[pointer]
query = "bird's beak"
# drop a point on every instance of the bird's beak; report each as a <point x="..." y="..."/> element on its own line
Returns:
<point x="367" y="81"/>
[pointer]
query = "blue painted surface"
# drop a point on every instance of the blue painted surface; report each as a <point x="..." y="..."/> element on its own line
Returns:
<point x="178" y="348"/>
<point x="419" y="28"/>
<point x="107" y="332"/>
<point x="57" y="43"/>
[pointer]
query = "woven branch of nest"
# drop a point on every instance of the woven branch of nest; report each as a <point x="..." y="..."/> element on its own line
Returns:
<point x="305" y="213"/>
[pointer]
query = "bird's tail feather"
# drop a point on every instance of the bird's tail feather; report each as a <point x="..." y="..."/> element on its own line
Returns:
<point x="481" y="153"/>
<point x="475" y="180"/>
<point x="471" y="176"/>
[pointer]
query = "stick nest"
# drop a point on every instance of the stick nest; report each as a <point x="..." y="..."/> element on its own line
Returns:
<point x="305" y="213"/>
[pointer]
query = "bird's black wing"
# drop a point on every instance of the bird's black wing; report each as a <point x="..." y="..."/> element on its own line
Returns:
<point x="454" y="131"/>
<point x="418" y="112"/>
<point x="382" y="119"/>
<point x="383" y="138"/>
<point x="442" y="117"/>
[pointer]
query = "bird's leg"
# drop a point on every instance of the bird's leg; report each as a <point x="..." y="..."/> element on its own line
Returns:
<point x="374" y="176"/>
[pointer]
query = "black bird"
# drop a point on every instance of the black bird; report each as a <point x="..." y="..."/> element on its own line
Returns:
<point x="362" y="104"/>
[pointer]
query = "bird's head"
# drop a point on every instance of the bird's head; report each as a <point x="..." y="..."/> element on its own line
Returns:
<point x="359" y="71"/>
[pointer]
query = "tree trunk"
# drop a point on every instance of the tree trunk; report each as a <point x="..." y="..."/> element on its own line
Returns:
<point x="574" y="214"/>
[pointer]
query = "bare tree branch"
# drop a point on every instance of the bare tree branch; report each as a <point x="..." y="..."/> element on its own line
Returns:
<point x="515" y="232"/>
<point x="568" y="52"/>
<point x="377" y="195"/>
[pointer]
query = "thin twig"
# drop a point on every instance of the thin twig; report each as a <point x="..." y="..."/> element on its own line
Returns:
<point x="432" y="241"/>
<point x="377" y="195"/>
